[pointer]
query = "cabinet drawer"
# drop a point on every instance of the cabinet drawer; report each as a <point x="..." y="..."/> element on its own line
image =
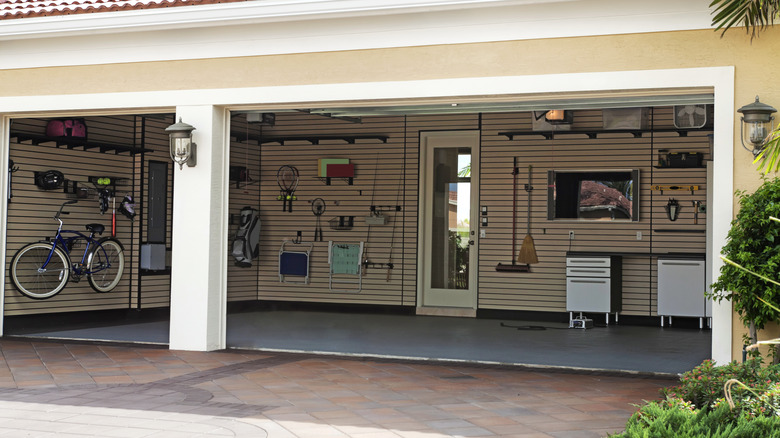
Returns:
<point x="587" y="272"/>
<point x="588" y="261"/>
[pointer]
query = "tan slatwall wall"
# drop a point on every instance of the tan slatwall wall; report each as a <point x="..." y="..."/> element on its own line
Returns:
<point x="544" y="288"/>
<point x="31" y="210"/>
<point x="155" y="290"/>
<point x="386" y="175"/>
<point x="243" y="281"/>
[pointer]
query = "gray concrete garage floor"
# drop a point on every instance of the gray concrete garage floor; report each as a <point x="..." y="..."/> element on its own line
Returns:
<point x="627" y="348"/>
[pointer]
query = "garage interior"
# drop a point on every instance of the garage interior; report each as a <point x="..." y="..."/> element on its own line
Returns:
<point x="522" y="317"/>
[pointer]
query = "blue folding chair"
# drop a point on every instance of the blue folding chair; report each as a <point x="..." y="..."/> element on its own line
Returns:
<point x="294" y="263"/>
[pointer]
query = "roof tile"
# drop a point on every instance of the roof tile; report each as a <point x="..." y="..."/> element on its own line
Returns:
<point x="10" y="9"/>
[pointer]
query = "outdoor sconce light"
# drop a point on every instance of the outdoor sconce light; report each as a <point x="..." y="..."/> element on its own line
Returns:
<point x="672" y="209"/>
<point x="756" y="125"/>
<point x="183" y="150"/>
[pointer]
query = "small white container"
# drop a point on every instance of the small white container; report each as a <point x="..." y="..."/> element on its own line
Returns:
<point x="626" y="118"/>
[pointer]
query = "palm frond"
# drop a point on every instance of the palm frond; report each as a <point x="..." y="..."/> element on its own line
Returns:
<point x="754" y="15"/>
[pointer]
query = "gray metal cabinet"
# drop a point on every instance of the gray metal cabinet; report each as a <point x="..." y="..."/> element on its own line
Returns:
<point x="594" y="284"/>
<point x="681" y="288"/>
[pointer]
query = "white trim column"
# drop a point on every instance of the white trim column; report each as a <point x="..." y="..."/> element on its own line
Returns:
<point x="198" y="274"/>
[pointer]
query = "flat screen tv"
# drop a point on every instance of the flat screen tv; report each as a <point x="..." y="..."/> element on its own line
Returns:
<point x="594" y="195"/>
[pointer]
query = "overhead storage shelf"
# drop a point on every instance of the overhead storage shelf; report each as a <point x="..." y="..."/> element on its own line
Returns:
<point x="313" y="139"/>
<point x="593" y="133"/>
<point x="74" y="143"/>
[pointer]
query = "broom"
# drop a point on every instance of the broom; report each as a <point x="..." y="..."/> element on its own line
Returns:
<point x="513" y="267"/>
<point x="527" y="254"/>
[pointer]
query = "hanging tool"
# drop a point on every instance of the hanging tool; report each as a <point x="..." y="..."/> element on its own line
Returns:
<point x="113" y="216"/>
<point x="390" y="265"/>
<point x="527" y="253"/>
<point x="696" y="208"/>
<point x="366" y="262"/>
<point x="11" y="170"/>
<point x="513" y="267"/>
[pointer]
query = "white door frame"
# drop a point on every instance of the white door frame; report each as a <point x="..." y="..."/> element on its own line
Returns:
<point x="467" y="299"/>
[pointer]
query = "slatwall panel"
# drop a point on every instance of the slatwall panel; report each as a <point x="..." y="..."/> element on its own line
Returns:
<point x="374" y="161"/>
<point x="243" y="281"/>
<point x="155" y="288"/>
<point x="386" y="175"/>
<point x="31" y="210"/>
<point x="544" y="288"/>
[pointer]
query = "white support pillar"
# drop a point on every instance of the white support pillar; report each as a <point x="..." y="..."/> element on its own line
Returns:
<point x="200" y="200"/>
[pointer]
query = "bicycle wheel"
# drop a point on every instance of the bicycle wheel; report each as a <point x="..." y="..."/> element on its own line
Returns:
<point x="34" y="281"/>
<point x="105" y="264"/>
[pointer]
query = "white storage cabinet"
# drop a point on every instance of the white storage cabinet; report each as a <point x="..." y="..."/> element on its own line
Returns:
<point x="681" y="287"/>
<point x="594" y="284"/>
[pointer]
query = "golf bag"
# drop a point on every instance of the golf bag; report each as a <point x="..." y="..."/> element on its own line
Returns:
<point x="246" y="244"/>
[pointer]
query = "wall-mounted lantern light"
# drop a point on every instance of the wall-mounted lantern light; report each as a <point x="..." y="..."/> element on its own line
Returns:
<point x="672" y="209"/>
<point x="756" y="125"/>
<point x="183" y="150"/>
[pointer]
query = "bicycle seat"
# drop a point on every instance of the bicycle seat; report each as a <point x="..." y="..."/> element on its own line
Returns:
<point x="96" y="228"/>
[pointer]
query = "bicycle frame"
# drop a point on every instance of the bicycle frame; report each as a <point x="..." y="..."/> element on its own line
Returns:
<point x="65" y="244"/>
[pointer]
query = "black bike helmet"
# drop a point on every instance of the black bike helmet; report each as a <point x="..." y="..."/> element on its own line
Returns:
<point x="49" y="180"/>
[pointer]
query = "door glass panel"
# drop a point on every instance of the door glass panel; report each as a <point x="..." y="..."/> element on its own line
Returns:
<point x="451" y="213"/>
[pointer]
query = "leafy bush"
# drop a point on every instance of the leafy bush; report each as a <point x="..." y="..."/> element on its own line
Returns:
<point x="756" y="404"/>
<point x="753" y="244"/>
<point x="703" y="385"/>
<point x="670" y="419"/>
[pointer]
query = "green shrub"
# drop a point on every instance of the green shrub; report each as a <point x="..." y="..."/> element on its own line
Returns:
<point x="764" y="403"/>
<point x="670" y="419"/>
<point x="703" y="385"/>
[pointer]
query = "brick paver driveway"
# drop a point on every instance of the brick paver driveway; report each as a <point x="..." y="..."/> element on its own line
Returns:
<point x="72" y="389"/>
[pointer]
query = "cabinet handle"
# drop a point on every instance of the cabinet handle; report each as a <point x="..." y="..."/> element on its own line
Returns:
<point x="681" y="263"/>
<point x="587" y="281"/>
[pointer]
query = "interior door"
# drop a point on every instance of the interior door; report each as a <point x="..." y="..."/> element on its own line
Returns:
<point x="448" y="222"/>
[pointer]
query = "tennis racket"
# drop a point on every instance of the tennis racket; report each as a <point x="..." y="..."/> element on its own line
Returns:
<point x="287" y="178"/>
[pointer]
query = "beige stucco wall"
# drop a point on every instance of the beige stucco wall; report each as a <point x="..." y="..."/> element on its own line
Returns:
<point x="757" y="70"/>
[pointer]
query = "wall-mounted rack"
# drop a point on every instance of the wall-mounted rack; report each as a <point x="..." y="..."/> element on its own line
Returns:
<point x="679" y="230"/>
<point x="594" y="133"/>
<point x="313" y="139"/>
<point x="674" y="188"/>
<point x="73" y="143"/>
<point x="342" y="223"/>
<point x="328" y="179"/>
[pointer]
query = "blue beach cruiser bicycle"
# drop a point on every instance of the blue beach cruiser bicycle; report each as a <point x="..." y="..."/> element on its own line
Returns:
<point x="41" y="270"/>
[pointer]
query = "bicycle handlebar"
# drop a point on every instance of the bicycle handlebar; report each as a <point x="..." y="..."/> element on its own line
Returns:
<point x="60" y="212"/>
